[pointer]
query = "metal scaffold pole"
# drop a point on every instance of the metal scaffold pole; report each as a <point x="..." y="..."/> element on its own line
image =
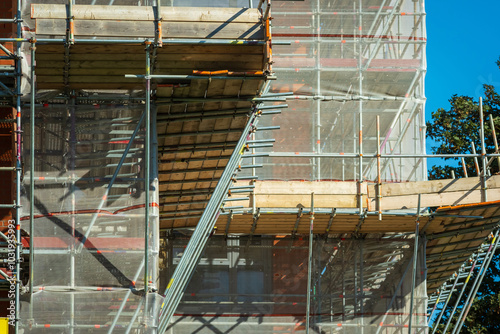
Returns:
<point x="415" y="261"/>
<point x="309" y="267"/>
<point x="147" y="175"/>
<point x="32" y="178"/>
<point x="360" y="116"/>
<point x="361" y="287"/>
<point x="379" y="176"/>
<point x="19" y="170"/>
<point x="72" y="190"/>
<point x="317" y="130"/>
<point x="484" y="194"/>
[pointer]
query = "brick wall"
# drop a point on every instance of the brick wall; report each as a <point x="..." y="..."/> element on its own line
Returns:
<point x="7" y="12"/>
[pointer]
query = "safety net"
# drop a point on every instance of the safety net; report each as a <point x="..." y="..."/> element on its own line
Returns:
<point x="244" y="285"/>
<point x="347" y="63"/>
<point x="90" y="253"/>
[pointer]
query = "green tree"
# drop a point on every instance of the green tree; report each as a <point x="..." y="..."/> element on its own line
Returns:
<point x="455" y="128"/>
<point x="484" y="315"/>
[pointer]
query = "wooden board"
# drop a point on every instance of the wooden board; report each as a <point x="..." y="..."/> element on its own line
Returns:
<point x="332" y="194"/>
<point x="292" y="194"/>
<point x="435" y="199"/>
<point x="161" y="57"/>
<point x="146" y="29"/>
<point x="147" y="13"/>
<point x="436" y="186"/>
<point x="91" y="49"/>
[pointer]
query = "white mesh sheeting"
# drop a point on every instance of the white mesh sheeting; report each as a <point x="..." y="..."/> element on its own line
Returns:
<point x="241" y="286"/>
<point x="89" y="246"/>
<point x="349" y="59"/>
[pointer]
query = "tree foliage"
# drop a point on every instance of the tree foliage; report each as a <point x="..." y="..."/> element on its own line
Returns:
<point x="455" y="128"/>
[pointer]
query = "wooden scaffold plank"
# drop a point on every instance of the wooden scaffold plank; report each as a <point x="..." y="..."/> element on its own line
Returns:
<point x="146" y="13"/>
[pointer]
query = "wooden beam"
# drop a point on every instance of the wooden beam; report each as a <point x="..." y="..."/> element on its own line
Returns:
<point x="435" y="186"/>
<point x="196" y="57"/>
<point x="290" y="194"/>
<point x="146" y="29"/>
<point x="84" y="49"/>
<point x="145" y="13"/>
<point x="435" y="199"/>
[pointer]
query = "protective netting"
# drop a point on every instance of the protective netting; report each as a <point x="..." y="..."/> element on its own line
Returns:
<point x="243" y="286"/>
<point x="349" y="59"/>
<point x="89" y="219"/>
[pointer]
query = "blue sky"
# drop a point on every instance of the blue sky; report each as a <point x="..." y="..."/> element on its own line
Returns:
<point x="463" y="44"/>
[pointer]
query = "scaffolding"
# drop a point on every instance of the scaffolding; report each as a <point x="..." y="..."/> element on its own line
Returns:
<point x="475" y="267"/>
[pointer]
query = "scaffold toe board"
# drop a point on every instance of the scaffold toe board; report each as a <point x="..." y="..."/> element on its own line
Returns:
<point x="133" y="21"/>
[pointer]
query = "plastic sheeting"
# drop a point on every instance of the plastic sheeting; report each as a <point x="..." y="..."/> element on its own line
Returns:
<point x="243" y="286"/>
<point x="89" y="230"/>
<point x="348" y="59"/>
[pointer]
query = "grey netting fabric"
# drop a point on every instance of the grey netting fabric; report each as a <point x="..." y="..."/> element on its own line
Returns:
<point x="89" y="248"/>
<point x="243" y="285"/>
<point x="349" y="59"/>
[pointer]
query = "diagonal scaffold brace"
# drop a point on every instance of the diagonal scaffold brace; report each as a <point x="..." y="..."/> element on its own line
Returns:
<point x="187" y="265"/>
